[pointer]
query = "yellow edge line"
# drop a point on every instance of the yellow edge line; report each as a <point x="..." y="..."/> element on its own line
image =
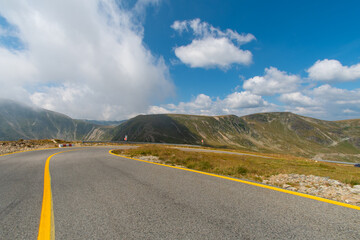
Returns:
<point x="31" y="150"/>
<point x="249" y="183"/>
<point x="47" y="225"/>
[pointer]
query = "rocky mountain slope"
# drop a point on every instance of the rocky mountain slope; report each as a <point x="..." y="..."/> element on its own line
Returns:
<point x="264" y="132"/>
<point x="18" y="121"/>
<point x="267" y="132"/>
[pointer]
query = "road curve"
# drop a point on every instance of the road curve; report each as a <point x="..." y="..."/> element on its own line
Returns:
<point x="100" y="196"/>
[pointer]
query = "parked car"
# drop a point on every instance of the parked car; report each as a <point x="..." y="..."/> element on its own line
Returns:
<point x="357" y="165"/>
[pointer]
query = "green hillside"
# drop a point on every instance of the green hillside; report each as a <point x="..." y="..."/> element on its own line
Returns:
<point x="155" y="128"/>
<point x="265" y="132"/>
<point x="18" y="121"/>
<point x="280" y="132"/>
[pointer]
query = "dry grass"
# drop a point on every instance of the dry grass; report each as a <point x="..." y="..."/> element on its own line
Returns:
<point x="250" y="167"/>
<point x="23" y="145"/>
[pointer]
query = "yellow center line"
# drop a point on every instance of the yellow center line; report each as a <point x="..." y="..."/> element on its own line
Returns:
<point x="249" y="183"/>
<point x="47" y="225"/>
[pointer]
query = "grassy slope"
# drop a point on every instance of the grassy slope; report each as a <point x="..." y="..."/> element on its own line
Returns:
<point x="251" y="167"/>
<point x="155" y="128"/>
<point x="265" y="132"/>
<point x="22" y="122"/>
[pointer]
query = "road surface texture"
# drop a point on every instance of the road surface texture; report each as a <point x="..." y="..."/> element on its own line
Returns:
<point x="100" y="196"/>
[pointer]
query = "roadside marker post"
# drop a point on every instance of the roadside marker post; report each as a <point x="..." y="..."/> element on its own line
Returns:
<point x="66" y="145"/>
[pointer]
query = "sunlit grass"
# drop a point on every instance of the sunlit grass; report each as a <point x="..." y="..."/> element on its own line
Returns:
<point x="249" y="167"/>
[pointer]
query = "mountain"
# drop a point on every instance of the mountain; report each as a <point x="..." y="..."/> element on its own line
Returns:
<point x="280" y="132"/>
<point x="19" y="121"/>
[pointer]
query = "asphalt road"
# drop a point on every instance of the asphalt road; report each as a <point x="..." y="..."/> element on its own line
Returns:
<point x="100" y="196"/>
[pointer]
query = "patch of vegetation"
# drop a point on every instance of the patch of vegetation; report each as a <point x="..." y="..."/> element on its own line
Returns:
<point x="244" y="166"/>
<point x="242" y="170"/>
<point x="322" y="165"/>
<point x="347" y="147"/>
<point x="283" y="133"/>
<point x="352" y="181"/>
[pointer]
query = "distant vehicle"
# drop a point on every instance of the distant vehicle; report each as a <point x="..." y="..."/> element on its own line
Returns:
<point x="357" y="165"/>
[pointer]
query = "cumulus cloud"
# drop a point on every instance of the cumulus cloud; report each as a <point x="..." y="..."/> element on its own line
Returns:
<point x="202" y="104"/>
<point x="348" y="111"/>
<point x="211" y="46"/>
<point x="314" y="111"/>
<point x="81" y="58"/>
<point x="238" y="103"/>
<point x="325" y="102"/>
<point x="212" y="52"/>
<point x="238" y="100"/>
<point x="327" y="93"/>
<point x="297" y="98"/>
<point x="157" y="110"/>
<point x="333" y="70"/>
<point x="273" y="82"/>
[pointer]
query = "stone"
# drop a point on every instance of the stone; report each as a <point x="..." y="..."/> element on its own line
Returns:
<point x="355" y="190"/>
<point x="318" y="186"/>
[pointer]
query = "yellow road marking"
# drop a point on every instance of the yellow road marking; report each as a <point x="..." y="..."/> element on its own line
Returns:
<point x="249" y="183"/>
<point x="47" y="225"/>
<point x="38" y="149"/>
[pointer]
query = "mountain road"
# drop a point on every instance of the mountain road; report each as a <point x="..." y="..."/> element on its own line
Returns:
<point x="96" y="195"/>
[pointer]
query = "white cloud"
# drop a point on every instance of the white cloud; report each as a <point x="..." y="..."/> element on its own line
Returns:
<point x="273" y="82"/>
<point x="243" y="100"/>
<point x="211" y="46"/>
<point x="326" y="92"/>
<point x="317" y="112"/>
<point x="157" y="110"/>
<point x="324" y="102"/>
<point x="81" y="58"/>
<point x="333" y="70"/>
<point x="202" y="104"/>
<point x="337" y="96"/>
<point x="348" y="111"/>
<point x="180" y="26"/>
<point x="238" y="103"/>
<point x="212" y="52"/>
<point x="204" y="30"/>
<point x="297" y="98"/>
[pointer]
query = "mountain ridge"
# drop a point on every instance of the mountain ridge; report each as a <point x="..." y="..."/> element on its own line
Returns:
<point x="275" y="132"/>
<point x="19" y="121"/>
<point x="279" y="132"/>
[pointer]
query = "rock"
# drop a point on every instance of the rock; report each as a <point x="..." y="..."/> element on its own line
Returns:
<point x="318" y="186"/>
<point x="355" y="190"/>
<point x="335" y="182"/>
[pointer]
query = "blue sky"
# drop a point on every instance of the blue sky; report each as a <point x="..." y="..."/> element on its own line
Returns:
<point x="114" y="60"/>
<point x="291" y="35"/>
